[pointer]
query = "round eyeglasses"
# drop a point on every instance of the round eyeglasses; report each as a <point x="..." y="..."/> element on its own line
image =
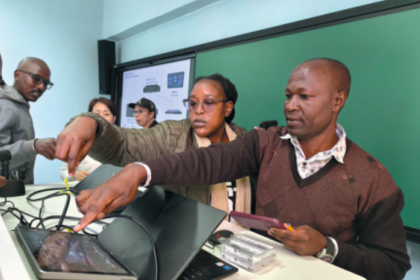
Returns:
<point x="38" y="79"/>
<point x="207" y="104"/>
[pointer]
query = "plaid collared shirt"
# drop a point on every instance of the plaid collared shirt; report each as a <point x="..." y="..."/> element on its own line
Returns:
<point x="308" y="167"/>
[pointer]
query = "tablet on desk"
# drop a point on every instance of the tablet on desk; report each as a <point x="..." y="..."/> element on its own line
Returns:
<point x="63" y="255"/>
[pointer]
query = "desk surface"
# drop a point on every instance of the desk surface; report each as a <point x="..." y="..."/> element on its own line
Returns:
<point x="288" y="265"/>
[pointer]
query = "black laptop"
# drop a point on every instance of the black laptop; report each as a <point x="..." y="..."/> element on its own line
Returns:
<point x="179" y="226"/>
<point x="99" y="176"/>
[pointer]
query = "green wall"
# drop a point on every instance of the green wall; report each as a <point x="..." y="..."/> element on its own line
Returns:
<point x="382" y="113"/>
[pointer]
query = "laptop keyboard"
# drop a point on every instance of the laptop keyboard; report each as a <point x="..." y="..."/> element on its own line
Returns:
<point x="191" y="273"/>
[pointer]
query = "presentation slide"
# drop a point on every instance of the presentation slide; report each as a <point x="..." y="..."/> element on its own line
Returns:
<point x="165" y="84"/>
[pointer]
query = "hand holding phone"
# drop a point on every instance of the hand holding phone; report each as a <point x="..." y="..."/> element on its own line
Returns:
<point x="255" y="221"/>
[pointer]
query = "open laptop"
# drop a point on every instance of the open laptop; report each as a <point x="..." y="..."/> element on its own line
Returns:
<point x="179" y="226"/>
<point x="99" y="176"/>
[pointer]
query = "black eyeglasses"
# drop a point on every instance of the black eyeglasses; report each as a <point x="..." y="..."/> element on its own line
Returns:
<point x="207" y="104"/>
<point x="38" y="79"/>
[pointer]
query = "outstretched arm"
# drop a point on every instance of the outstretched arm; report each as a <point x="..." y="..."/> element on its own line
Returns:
<point x="217" y="163"/>
<point x="107" y="143"/>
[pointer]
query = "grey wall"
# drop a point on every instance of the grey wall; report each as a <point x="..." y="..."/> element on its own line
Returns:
<point x="190" y="23"/>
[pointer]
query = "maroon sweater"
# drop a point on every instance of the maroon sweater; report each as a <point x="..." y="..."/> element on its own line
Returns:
<point x="357" y="202"/>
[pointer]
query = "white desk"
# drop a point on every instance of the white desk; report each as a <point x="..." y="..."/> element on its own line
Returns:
<point x="286" y="265"/>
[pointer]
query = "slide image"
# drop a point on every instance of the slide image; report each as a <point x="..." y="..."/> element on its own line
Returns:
<point x="151" y="88"/>
<point x="172" y="111"/>
<point x="130" y="112"/>
<point x="176" y="80"/>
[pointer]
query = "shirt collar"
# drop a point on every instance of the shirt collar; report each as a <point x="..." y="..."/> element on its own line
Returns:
<point x="338" y="151"/>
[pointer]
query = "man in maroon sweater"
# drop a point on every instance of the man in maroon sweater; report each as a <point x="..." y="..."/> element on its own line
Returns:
<point x="342" y="202"/>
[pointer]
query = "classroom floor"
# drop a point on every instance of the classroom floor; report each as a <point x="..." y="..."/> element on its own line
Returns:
<point x="414" y="253"/>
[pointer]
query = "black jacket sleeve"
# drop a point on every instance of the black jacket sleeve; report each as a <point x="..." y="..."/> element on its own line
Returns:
<point x="380" y="252"/>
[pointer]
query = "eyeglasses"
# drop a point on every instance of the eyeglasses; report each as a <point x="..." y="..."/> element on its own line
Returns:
<point x="37" y="79"/>
<point x="137" y="112"/>
<point x="207" y="104"/>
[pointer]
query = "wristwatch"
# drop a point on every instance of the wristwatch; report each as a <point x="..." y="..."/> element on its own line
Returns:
<point x="327" y="253"/>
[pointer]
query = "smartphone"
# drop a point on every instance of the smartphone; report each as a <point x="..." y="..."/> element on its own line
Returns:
<point x="267" y="124"/>
<point x="256" y="222"/>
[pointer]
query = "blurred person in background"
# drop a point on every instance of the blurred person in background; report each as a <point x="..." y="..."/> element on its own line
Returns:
<point x="144" y="113"/>
<point x="108" y="110"/>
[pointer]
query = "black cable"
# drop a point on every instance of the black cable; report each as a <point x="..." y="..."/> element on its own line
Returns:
<point x="89" y="234"/>
<point x="73" y="219"/>
<point x="11" y="209"/>
<point x="41" y="220"/>
<point x="148" y="233"/>
<point x="29" y="197"/>
<point x="27" y="214"/>
<point x="21" y="219"/>
<point x="65" y="218"/>
<point x="40" y="214"/>
<point x="4" y="204"/>
<point x="66" y="206"/>
<point x="42" y="199"/>
<point x="6" y="201"/>
<point x="56" y="194"/>
<point x="7" y="211"/>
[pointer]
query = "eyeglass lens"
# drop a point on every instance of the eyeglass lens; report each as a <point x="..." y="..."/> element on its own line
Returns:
<point x="207" y="105"/>
<point x="38" y="80"/>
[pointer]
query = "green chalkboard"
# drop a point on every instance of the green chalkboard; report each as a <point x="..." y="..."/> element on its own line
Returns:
<point x="382" y="114"/>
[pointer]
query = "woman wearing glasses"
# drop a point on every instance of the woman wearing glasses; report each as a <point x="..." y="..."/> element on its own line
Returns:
<point x="211" y="111"/>
<point x="107" y="109"/>
<point x="144" y="112"/>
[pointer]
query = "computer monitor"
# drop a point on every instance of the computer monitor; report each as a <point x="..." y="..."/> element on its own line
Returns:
<point x="166" y="83"/>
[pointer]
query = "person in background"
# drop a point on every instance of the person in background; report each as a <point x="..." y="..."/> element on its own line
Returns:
<point x="211" y="111"/>
<point x="343" y="204"/>
<point x="144" y="112"/>
<point x="17" y="134"/>
<point x="108" y="110"/>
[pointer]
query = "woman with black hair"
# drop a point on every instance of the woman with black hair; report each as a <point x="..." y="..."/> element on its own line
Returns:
<point x="211" y="111"/>
<point x="107" y="109"/>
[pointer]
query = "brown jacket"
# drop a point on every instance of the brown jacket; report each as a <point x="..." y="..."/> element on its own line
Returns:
<point x="357" y="203"/>
<point x="120" y="146"/>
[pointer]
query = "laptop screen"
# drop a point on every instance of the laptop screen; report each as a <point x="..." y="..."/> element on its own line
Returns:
<point x="56" y="251"/>
<point x="99" y="176"/>
<point x="179" y="226"/>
